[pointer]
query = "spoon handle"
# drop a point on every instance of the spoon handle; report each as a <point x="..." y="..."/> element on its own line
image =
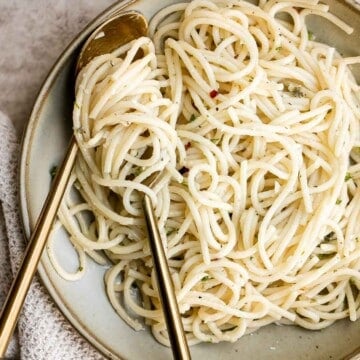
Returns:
<point x="169" y="303"/>
<point x="21" y="283"/>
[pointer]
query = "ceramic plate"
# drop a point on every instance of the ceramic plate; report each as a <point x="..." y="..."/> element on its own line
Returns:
<point x="84" y="302"/>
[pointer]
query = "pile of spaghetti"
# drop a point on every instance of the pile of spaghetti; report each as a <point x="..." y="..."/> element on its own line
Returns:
<point x="251" y="128"/>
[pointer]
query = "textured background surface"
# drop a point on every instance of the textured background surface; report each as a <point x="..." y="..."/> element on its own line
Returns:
<point x="33" y="33"/>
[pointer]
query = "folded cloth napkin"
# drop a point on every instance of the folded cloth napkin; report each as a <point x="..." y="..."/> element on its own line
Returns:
<point x="42" y="332"/>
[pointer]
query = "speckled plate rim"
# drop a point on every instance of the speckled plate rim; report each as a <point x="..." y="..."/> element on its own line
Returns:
<point x="27" y="142"/>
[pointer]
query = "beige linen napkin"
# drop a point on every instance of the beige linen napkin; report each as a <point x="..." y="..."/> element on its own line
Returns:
<point x="43" y="333"/>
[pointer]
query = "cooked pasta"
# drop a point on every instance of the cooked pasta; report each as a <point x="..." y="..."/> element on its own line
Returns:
<point x="251" y="129"/>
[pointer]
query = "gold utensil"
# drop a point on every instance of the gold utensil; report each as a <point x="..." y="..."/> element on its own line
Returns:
<point x="354" y="355"/>
<point x="116" y="31"/>
<point x="169" y="303"/>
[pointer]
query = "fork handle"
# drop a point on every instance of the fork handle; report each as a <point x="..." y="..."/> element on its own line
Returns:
<point x="21" y="283"/>
<point x="169" y="303"/>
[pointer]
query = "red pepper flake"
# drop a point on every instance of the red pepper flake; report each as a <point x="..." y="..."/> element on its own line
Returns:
<point x="213" y="93"/>
<point x="188" y="145"/>
<point x="183" y="170"/>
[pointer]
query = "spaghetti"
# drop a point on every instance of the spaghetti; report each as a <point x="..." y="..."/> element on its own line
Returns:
<point x="253" y="127"/>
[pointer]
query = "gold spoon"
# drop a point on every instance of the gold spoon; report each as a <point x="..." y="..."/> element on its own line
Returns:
<point x="114" y="32"/>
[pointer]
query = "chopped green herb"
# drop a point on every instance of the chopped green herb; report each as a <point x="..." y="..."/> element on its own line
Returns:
<point x="205" y="278"/>
<point x="338" y="201"/>
<point x="169" y="231"/>
<point x="53" y="171"/>
<point x="330" y="236"/>
<point x="76" y="105"/>
<point x="324" y="256"/>
<point x="311" y="35"/>
<point x="192" y="118"/>
<point x="348" y="176"/>
<point x="81" y="268"/>
<point x="215" y="141"/>
<point x="138" y="170"/>
<point x="251" y="78"/>
<point x="278" y="48"/>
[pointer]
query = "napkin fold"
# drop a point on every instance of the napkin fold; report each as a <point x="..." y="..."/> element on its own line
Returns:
<point x="42" y="333"/>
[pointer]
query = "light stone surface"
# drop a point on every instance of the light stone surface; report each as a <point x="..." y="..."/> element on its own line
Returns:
<point x="33" y="34"/>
